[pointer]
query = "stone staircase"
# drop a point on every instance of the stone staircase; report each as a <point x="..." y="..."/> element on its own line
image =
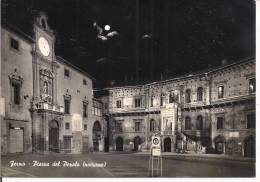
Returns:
<point x="191" y="146"/>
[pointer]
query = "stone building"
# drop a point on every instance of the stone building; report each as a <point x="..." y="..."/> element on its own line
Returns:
<point x="47" y="104"/>
<point x="211" y="111"/>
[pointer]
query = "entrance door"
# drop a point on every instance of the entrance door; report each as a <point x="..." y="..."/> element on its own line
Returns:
<point x="96" y="135"/>
<point x="167" y="145"/>
<point x="16" y="140"/>
<point x="119" y="144"/>
<point x="137" y="142"/>
<point x="67" y="144"/>
<point x="249" y="147"/>
<point x="220" y="147"/>
<point x="54" y="136"/>
<point x="95" y="145"/>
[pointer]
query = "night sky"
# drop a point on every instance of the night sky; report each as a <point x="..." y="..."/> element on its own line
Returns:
<point x="175" y="37"/>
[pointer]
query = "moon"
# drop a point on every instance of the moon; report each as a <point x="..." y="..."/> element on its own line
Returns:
<point x="107" y="27"/>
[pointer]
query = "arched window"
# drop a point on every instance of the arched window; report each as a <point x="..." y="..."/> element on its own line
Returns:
<point x="43" y="23"/>
<point x="188" y="96"/>
<point x="200" y="94"/>
<point x="152" y="125"/>
<point x="187" y="123"/>
<point x="199" y="123"/>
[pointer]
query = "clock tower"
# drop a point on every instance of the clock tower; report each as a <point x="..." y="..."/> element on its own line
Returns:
<point x="44" y="37"/>
<point x="46" y="111"/>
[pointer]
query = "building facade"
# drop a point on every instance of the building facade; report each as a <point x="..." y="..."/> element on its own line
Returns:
<point x="47" y="104"/>
<point x="210" y="112"/>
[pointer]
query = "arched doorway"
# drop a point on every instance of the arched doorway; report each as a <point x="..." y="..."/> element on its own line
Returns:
<point x="54" y="136"/>
<point x="137" y="142"/>
<point x="220" y="144"/>
<point x="249" y="147"/>
<point x="119" y="144"/>
<point x="167" y="145"/>
<point x="96" y="135"/>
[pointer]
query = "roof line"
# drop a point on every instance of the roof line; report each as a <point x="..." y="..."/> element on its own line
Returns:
<point x="61" y="59"/>
<point x="18" y="31"/>
<point x="187" y="76"/>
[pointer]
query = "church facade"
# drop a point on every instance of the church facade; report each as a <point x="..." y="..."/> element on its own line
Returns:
<point x="47" y="104"/>
<point x="208" y="112"/>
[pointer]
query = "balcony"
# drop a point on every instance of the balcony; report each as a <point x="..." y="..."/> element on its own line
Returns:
<point x="197" y="133"/>
<point x="195" y="104"/>
<point x="168" y="132"/>
<point x="49" y="107"/>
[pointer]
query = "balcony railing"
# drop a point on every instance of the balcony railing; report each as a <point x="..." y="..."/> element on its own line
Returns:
<point x="49" y="107"/>
<point x="197" y="133"/>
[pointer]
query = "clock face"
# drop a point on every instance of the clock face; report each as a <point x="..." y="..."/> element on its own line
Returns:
<point x="44" y="46"/>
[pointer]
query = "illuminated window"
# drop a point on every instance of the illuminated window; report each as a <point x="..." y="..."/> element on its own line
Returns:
<point x="220" y="92"/>
<point x="252" y="85"/>
<point x="152" y="99"/>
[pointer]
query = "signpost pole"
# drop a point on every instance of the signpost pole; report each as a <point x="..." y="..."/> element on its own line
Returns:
<point x="155" y="155"/>
<point x="152" y="165"/>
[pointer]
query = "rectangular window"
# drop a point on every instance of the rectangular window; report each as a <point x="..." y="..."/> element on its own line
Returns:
<point x="119" y="127"/>
<point x="137" y="102"/>
<point x="220" y="122"/>
<point x="85" y="126"/>
<point x="85" y="110"/>
<point x="106" y="105"/>
<point x="162" y="100"/>
<point x="252" y="85"/>
<point x="66" y="72"/>
<point x="67" y="126"/>
<point x="14" y="44"/>
<point x="250" y="123"/>
<point x="84" y="82"/>
<point x="220" y="92"/>
<point x="187" y="123"/>
<point x="97" y="109"/>
<point x="188" y="96"/>
<point x="16" y="93"/>
<point x="118" y="104"/>
<point x="137" y="126"/>
<point x="171" y="97"/>
<point x="152" y="100"/>
<point x="67" y="106"/>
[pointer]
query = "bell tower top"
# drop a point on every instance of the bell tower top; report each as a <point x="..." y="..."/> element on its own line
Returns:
<point x="41" y="19"/>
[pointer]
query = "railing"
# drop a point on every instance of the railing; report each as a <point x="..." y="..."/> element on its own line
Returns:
<point x="196" y="133"/>
<point x="50" y="107"/>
